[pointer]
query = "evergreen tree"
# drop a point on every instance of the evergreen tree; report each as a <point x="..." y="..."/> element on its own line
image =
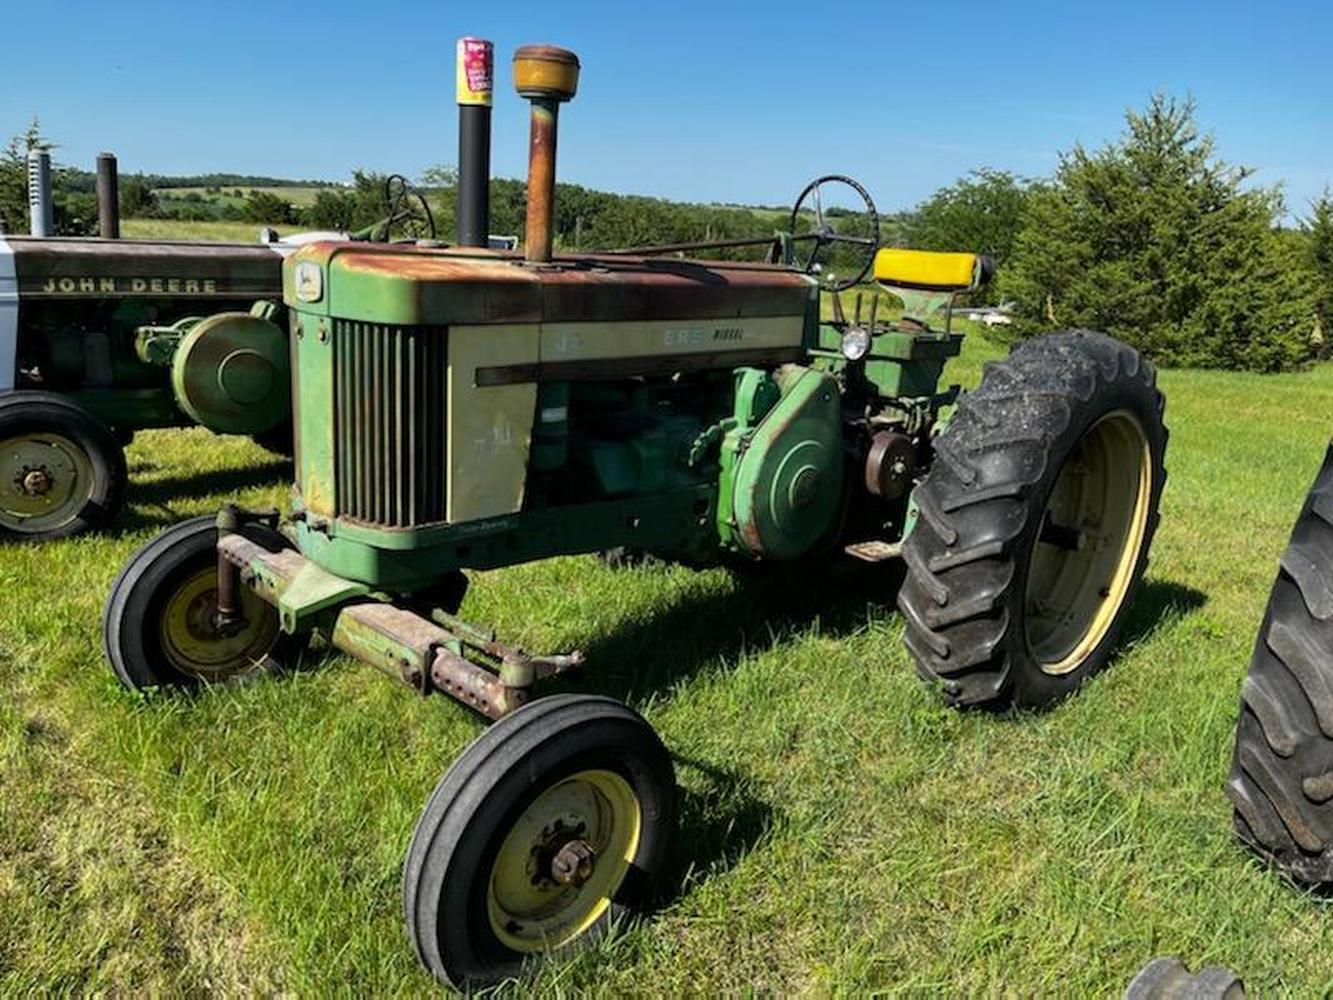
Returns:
<point x="982" y="213"/>
<point x="1157" y="241"/>
<point x="1319" y="232"/>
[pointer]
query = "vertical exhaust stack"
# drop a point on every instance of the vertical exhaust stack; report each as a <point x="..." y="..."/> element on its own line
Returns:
<point x="41" y="210"/>
<point x="474" y="141"/>
<point x="108" y="197"/>
<point x="546" y="76"/>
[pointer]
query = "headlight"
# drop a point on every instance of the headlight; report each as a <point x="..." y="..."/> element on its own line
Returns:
<point x="855" y="343"/>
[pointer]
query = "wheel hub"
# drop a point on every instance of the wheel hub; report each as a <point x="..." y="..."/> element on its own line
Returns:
<point x="572" y="864"/>
<point x="36" y="482"/>
<point x="562" y="862"/>
<point x="50" y="479"/>
<point x="1088" y="543"/>
<point x="194" y="643"/>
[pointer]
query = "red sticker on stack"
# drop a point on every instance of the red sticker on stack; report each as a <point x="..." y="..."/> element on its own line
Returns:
<point x="474" y="71"/>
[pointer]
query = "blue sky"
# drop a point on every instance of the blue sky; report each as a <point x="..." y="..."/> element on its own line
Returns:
<point x="700" y="101"/>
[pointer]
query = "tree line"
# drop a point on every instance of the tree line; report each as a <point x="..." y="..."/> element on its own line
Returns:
<point x="1155" y="239"/>
<point x="1152" y="237"/>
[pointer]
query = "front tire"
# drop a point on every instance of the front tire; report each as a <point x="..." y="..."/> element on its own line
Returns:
<point x="61" y="470"/>
<point x="550" y="827"/>
<point x="1035" y="522"/>
<point x="1281" y="781"/>
<point x="158" y="626"/>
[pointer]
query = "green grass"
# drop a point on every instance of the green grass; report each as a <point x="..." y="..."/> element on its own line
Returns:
<point x="178" y="229"/>
<point x="842" y="831"/>
<point x="300" y="195"/>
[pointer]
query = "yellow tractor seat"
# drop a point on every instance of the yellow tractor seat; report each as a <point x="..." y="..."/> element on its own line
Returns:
<point x="931" y="271"/>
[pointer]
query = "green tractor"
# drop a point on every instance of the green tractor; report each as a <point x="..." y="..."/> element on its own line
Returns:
<point x="100" y="338"/>
<point x="462" y="409"/>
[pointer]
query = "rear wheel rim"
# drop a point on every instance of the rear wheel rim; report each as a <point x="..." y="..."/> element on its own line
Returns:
<point x="195" y="647"/>
<point x="1089" y="542"/>
<point x="45" y="480"/>
<point x="528" y="910"/>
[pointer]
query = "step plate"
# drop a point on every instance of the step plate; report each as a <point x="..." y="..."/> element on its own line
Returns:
<point x="875" y="551"/>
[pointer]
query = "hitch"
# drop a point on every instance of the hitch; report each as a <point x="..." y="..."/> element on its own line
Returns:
<point x="442" y="653"/>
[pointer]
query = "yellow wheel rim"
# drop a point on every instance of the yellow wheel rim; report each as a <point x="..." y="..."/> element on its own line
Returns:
<point x="190" y="638"/>
<point x="529" y="909"/>
<point x="46" y="480"/>
<point x="1089" y="542"/>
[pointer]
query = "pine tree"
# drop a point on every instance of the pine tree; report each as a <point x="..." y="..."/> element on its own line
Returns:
<point x="1157" y="241"/>
<point x="1319" y="232"/>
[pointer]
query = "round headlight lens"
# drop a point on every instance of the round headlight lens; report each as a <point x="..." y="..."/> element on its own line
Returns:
<point x="855" y="343"/>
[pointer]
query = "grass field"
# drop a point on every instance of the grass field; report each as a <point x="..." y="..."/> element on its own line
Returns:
<point x="300" y="195"/>
<point x="842" y="832"/>
<point x="177" y="229"/>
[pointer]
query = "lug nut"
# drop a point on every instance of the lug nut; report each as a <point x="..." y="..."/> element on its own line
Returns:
<point x="572" y="864"/>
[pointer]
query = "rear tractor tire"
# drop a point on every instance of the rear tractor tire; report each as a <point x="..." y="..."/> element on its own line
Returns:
<point x="159" y="628"/>
<point x="549" y="828"/>
<point x="1034" y="522"/>
<point x="62" y="471"/>
<point x="1281" y="781"/>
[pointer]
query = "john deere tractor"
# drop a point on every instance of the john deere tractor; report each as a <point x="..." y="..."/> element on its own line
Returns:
<point x="100" y="338"/>
<point x="463" y="409"/>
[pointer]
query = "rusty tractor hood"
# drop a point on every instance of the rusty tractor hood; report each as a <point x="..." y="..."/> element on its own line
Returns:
<point x="66" y="268"/>
<point x="411" y="286"/>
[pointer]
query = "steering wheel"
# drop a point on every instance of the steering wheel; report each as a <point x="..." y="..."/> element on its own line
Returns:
<point x="402" y="200"/>
<point x="824" y="238"/>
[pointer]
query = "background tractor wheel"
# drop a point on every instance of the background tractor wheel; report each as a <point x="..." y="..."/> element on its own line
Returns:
<point x="548" y="828"/>
<point x="1282" y="771"/>
<point x="1035" y="521"/>
<point x="61" y="470"/>
<point x="158" y="628"/>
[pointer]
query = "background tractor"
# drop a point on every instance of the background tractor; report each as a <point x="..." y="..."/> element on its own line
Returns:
<point x="462" y="409"/>
<point x="100" y="338"/>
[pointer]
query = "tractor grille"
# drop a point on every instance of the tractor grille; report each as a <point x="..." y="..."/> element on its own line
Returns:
<point x="390" y="407"/>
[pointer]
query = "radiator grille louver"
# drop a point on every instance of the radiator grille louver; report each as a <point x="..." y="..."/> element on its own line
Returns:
<point x="390" y="415"/>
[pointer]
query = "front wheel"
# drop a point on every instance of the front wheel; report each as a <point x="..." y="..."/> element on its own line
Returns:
<point x="546" y="830"/>
<point x="62" y="471"/>
<point x="159" y="626"/>
<point x="1035" y="521"/>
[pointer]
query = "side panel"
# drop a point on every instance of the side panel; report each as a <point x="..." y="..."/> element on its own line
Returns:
<point x="9" y="318"/>
<point x="490" y="427"/>
<point x="313" y="393"/>
<point x="572" y="342"/>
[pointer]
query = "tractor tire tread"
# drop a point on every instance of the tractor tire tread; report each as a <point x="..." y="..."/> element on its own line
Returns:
<point x="977" y="502"/>
<point x="1281" y="781"/>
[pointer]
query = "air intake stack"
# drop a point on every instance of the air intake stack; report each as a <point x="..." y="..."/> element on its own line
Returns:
<point x="546" y="76"/>
<point x="41" y="211"/>
<point x="474" y="141"/>
<point x="108" y="197"/>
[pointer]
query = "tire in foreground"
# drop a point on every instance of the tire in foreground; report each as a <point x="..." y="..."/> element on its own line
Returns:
<point x="548" y="829"/>
<point x="1281" y="781"/>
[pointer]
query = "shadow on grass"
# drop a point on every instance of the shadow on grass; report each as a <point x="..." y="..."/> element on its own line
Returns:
<point x="716" y="828"/>
<point x="149" y="503"/>
<point x="1157" y="602"/>
<point x="654" y="653"/>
